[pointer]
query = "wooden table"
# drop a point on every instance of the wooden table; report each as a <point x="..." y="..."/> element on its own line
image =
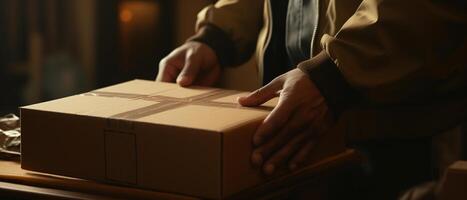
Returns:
<point x="21" y="184"/>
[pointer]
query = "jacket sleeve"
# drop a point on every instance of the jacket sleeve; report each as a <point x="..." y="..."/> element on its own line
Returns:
<point x="230" y="26"/>
<point x="398" y="51"/>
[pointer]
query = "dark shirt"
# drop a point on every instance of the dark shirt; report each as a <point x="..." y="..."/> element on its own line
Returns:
<point x="301" y="23"/>
<point x="293" y="25"/>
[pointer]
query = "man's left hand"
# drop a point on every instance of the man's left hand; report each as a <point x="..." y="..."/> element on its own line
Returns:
<point x="290" y="131"/>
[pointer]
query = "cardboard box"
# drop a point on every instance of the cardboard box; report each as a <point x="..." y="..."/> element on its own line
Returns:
<point x="454" y="182"/>
<point x="194" y="141"/>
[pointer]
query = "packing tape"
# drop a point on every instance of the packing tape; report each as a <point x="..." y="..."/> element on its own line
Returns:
<point x="165" y="103"/>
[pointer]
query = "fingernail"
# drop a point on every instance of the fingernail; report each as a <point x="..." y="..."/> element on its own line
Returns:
<point x="269" y="169"/>
<point x="257" y="158"/>
<point x="243" y="100"/>
<point x="182" y="79"/>
<point x="239" y="99"/>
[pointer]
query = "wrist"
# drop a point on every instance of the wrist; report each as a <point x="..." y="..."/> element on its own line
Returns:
<point x="320" y="59"/>
<point x="218" y="41"/>
<point x="330" y="82"/>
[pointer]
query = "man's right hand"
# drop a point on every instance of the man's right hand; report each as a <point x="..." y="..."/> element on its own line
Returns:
<point x="193" y="63"/>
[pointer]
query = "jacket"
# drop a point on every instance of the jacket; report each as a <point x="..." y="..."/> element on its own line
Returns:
<point x="404" y="60"/>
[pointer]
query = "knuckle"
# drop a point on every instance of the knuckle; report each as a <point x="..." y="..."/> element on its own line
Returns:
<point x="191" y="54"/>
<point x="287" y="91"/>
<point x="296" y="86"/>
<point x="259" y="92"/>
<point x="301" y="81"/>
<point x="163" y="63"/>
<point x="279" y="78"/>
<point x="276" y="79"/>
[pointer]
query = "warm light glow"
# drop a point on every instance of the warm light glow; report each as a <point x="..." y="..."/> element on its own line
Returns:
<point x="126" y="15"/>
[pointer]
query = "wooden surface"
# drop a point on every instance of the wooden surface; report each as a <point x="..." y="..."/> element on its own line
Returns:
<point x="16" y="182"/>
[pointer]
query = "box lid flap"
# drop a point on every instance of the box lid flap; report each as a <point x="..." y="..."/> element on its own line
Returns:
<point x="161" y="103"/>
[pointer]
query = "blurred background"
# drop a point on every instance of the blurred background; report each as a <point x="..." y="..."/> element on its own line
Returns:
<point x="56" y="48"/>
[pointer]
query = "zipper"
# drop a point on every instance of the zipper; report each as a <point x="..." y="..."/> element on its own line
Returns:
<point x="313" y="37"/>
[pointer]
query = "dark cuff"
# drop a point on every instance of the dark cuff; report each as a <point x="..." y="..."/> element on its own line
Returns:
<point x="219" y="41"/>
<point x="329" y="80"/>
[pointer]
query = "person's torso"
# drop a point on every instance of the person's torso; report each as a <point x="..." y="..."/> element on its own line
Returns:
<point x="327" y="17"/>
<point x="292" y="30"/>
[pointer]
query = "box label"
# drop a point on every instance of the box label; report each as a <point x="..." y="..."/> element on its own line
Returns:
<point x="120" y="157"/>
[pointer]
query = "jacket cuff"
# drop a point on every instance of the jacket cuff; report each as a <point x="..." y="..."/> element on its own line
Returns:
<point x="219" y="41"/>
<point x="331" y="83"/>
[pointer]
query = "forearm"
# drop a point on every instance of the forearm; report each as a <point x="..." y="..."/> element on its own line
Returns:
<point x="237" y="22"/>
<point x="401" y="52"/>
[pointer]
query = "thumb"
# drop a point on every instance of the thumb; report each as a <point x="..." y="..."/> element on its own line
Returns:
<point x="261" y="95"/>
<point x="189" y="71"/>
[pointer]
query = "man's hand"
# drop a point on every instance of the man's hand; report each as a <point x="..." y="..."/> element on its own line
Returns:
<point x="290" y="131"/>
<point x="192" y="63"/>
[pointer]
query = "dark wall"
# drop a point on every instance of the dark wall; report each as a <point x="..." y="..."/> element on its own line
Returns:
<point x="142" y="53"/>
<point x="107" y="46"/>
<point x="139" y="56"/>
<point x="11" y="82"/>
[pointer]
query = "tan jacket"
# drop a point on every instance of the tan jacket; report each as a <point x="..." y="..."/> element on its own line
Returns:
<point x="407" y="58"/>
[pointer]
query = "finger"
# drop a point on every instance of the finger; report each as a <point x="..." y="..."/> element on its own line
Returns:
<point x="300" y="157"/>
<point x="190" y="70"/>
<point x="294" y="125"/>
<point x="170" y="74"/>
<point x="284" y="154"/>
<point x="263" y="152"/>
<point x="169" y="69"/>
<point x="274" y="121"/>
<point x="262" y="95"/>
<point x="316" y="130"/>
<point x="300" y="119"/>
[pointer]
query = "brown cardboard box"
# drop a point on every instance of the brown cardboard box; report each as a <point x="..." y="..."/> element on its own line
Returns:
<point x="454" y="182"/>
<point x="194" y="141"/>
